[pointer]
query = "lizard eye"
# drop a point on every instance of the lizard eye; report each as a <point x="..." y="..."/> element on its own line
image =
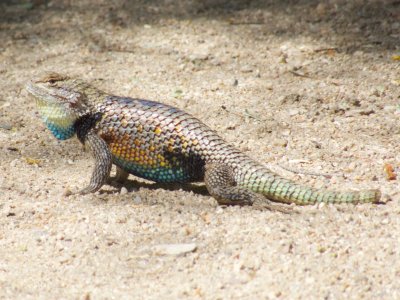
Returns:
<point x="52" y="81"/>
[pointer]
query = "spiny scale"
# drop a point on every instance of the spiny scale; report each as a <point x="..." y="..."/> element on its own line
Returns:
<point x="152" y="140"/>
<point x="164" y="144"/>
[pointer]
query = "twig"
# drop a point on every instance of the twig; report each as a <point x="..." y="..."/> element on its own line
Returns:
<point x="118" y="49"/>
<point x="326" y="49"/>
<point x="299" y="74"/>
<point x="296" y="171"/>
<point x="246" y="114"/>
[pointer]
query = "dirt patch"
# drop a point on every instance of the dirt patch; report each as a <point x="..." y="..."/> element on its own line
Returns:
<point x="304" y="85"/>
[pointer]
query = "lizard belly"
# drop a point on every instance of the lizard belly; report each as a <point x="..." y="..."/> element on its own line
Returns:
<point x="156" y="164"/>
<point x="156" y="172"/>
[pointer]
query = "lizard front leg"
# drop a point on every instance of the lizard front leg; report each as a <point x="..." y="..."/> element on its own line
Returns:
<point x="103" y="162"/>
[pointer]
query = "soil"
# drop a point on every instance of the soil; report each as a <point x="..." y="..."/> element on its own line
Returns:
<point x="307" y="86"/>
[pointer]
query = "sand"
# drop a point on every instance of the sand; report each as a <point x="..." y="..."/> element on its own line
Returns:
<point x="307" y="86"/>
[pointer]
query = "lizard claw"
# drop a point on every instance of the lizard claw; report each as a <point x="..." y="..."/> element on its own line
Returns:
<point x="87" y="190"/>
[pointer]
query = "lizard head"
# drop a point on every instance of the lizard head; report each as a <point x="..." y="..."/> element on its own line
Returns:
<point x="61" y="101"/>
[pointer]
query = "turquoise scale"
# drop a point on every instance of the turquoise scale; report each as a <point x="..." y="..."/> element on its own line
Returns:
<point x="158" y="174"/>
<point x="60" y="132"/>
<point x="57" y="119"/>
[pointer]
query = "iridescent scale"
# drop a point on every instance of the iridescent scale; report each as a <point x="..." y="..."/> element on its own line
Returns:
<point x="153" y="140"/>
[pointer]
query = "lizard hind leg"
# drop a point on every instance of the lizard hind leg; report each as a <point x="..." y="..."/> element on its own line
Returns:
<point x="221" y="184"/>
<point x="120" y="177"/>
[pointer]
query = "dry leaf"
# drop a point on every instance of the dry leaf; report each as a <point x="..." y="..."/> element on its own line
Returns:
<point x="396" y="57"/>
<point x="390" y="174"/>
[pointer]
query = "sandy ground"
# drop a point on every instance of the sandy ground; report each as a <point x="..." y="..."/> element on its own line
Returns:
<point x="298" y="85"/>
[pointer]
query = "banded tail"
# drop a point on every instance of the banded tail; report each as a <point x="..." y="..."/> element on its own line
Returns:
<point x="261" y="180"/>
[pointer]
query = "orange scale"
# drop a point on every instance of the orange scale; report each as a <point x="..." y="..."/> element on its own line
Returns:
<point x="157" y="130"/>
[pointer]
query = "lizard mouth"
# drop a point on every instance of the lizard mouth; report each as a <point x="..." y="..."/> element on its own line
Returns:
<point x="54" y="112"/>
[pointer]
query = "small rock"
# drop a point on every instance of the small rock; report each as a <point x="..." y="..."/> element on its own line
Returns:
<point x="123" y="191"/>
<point x="280" y="142"/>
<point x="14" y="163"/>
<point x="6" y="104"/>
<point x="137" y="200"/>
<point x="390" y="107"/>
<point x="219" y="210"/>
<point x="5" y="126"/>
<point x="321" y="9"/>
<point x="246" y="69"/>
<point x="395" y="25"/>
<point x="67" y="192"/>
<point x="216" y="62"/>
<point x="174" y="249"/>
<point x="385" y="221"/>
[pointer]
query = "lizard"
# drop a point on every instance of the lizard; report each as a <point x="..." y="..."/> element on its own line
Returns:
<point x="161" y="143"/>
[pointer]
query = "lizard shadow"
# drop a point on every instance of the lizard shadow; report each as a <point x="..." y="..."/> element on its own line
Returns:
<point x="134" y="185"/>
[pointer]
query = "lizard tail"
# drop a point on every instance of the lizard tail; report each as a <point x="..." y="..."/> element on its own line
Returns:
<point x="276" y="188"/>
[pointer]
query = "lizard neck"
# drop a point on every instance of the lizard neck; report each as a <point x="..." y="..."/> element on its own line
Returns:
<point x="93" y="95"/>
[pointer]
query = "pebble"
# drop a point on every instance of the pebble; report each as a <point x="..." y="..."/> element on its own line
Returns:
<point x="123" y="191"/>
<point x="199" y="56"/>
<point x="67" y="192"/>
<point x="14" y="163"/>
<point x="137" y="200"/>
<point x="390" y="108"/>
<point x="5" y="126"/>
<point x="269" y="86"/>
<point x="246" y="69"/>
<point x="219" y="210"/>
<point x="280" y="142"/>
